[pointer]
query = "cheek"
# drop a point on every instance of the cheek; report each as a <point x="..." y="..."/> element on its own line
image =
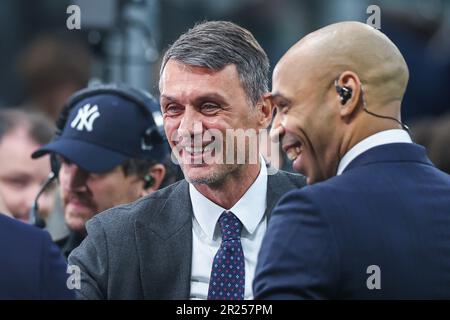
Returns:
<point x="295" y="126"/>
<point x="46" y="204"/>
<point x="170" y="129"/>
<point x="10" y="195"/>
<point x="214" y="122"/>
<point x="102" y="190"/>
<point x="63" y="177"/>
<point x="103" y="196"/>
<point x="10" y="199"/>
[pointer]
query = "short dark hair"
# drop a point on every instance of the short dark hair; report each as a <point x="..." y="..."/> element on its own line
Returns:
<point x="40" y="129"/>
<point x="216" y="44"/>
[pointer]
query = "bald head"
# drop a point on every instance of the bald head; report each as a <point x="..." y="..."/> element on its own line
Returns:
<point x="323" y="55"/>
<point x="316" y="125"/>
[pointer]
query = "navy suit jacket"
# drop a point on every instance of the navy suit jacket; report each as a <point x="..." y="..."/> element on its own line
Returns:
<point x="390" y="209"/>
<point x="31" y="266"/>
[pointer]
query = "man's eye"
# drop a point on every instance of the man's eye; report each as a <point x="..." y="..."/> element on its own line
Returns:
<point x="209" y="107"/>
<point x="173" y="109"/>
<point x="18" y="183"/>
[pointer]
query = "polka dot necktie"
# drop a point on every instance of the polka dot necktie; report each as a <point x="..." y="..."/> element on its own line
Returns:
<point x="227" y="280"/>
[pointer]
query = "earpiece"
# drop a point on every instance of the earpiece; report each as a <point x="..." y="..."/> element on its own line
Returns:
<point x="148" y="181"/>
<point x="345" y="93"/>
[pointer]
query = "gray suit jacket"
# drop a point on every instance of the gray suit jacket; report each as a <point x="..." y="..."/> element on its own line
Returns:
<point x="143" y="250"/>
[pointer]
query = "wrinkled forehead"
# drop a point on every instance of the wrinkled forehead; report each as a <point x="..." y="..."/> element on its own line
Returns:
<point x="178" y="72"/>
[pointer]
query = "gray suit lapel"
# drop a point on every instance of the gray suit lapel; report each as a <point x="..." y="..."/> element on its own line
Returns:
<point x="164" y="243"/>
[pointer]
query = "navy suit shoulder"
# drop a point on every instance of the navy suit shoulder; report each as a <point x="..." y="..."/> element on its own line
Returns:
<point x="298" y="239"/>
<point x="389" y="209"/>
<point x="31" y="266"/>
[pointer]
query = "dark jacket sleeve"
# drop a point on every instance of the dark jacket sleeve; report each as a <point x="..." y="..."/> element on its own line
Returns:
<point x="91" y="257"/>
<point x="298" y="258"/>
<point x="53" y="275"/>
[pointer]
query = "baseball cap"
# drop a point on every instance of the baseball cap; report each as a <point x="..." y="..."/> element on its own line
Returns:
<point x="105" y="128"/>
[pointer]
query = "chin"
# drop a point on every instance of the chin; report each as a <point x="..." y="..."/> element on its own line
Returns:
<point x="22" y="217"/>
<point x="77" y="226"/>
<point x="315" y="179"/>
<point x="202" y="176"/>
<point x="202" y="179"/>
<point x="76" y="222"/>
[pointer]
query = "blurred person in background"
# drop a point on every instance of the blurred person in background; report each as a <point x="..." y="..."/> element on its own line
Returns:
<point x="111" y="152"/>
<point x="53" y="68"/>
<point x="21" y="177"/>
<point x="31" y="266"/>
<point x="434" y="135"/>
<point x="3" y="209"/>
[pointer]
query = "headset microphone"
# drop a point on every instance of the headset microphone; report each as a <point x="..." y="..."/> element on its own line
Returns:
<point x="34" y="217"/>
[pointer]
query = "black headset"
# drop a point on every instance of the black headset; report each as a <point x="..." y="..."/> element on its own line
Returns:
<point x="345" y="93"/>
<point x="153" y="136"/>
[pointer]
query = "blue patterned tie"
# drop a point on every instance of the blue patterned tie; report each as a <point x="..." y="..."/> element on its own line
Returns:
<point x="227" y="280"/>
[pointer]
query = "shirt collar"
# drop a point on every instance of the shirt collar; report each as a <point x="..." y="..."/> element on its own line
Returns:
<point x="249" y="209"/>
<point x="377" y="139"/>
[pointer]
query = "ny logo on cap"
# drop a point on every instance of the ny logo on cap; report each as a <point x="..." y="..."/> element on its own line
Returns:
<point x="85" y="117"/>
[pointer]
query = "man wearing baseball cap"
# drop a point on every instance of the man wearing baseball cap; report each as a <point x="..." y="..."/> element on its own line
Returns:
<point x="110" y="151"/>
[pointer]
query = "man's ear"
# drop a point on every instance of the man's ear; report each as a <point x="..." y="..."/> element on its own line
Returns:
<point x="155" y="177"/>
<point x="348" y="93"/>
<point x="264" y="109"/>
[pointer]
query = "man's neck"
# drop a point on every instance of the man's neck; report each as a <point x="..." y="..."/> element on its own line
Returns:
<point x="228" y="193"/>
<point x="362" y="131"/>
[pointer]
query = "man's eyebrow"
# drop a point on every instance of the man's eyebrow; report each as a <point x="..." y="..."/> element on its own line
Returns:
<point x="205" y="97"/>
<point x="210" y="96"/>
<point x="163" y="96"/>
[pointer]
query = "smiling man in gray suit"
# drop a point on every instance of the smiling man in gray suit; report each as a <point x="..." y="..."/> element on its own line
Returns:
<point x="198" y="238"/>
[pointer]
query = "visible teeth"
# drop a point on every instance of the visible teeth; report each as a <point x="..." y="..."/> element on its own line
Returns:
<point x="292" y="156"/>
<point x="293" y="153"/>
<point x="199" y="149"/>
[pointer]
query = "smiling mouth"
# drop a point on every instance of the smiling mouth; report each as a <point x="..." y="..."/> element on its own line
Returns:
<point x="293" y="150"/>
<point x="196" y="154"/>
<point x="194" y="150"/>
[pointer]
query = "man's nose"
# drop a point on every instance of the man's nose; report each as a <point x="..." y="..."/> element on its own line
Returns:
<point x="191" y="123"/>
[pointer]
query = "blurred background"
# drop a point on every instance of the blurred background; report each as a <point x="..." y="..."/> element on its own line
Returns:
<point x="42" y="62"/>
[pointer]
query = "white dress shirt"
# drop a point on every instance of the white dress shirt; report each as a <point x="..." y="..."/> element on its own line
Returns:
<point x="377" y="139"/>
<point x="206" y="237"/>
